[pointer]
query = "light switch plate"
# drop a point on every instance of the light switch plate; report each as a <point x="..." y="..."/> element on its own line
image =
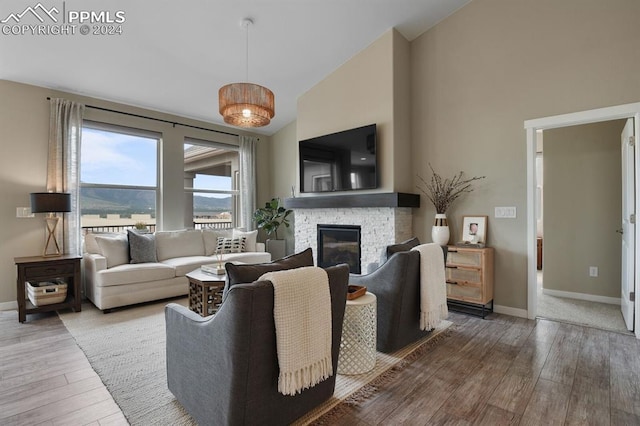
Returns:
<point x="24" y="212"/>
<point x="505" y="213"/>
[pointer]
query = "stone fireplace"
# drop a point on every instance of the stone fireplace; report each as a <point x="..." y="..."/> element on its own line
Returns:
<point x="383" y="219"/>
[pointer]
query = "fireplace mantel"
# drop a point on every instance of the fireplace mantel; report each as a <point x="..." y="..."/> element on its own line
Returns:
<point x="386" y="199"/>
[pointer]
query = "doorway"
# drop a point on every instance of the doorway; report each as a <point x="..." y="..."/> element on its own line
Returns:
<point x="579" y="192"/>
<point x="532" y="126"/>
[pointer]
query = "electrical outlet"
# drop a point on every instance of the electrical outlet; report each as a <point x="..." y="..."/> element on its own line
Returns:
<point x="593" y="271"/>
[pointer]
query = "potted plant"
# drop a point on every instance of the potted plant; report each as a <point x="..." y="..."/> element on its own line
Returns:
<point x="442" y="193"/>
<point x="141" y="227"/>
<point x="270" y="218"/>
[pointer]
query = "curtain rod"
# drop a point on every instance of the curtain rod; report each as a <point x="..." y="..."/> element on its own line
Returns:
<point x="157" y="119"/>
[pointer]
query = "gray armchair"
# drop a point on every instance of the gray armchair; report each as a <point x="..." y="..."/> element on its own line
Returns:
<point x="224" y="370"/>
<point x="396" y="284"/>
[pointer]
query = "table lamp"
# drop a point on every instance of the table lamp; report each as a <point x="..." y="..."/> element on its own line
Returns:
<point x="51" y="203"/>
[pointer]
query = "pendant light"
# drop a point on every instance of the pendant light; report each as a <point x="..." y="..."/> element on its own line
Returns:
<point x="246" y="104"/>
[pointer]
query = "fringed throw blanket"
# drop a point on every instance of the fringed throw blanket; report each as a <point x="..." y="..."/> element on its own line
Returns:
<point x="433" y="286"/>
<point x="302" y="315"/>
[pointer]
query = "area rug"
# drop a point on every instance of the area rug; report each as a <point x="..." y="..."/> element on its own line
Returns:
<point x="127" y="350"/>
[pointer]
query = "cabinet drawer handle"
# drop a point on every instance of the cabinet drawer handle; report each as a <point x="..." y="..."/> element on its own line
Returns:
<point x="467" y="268"/>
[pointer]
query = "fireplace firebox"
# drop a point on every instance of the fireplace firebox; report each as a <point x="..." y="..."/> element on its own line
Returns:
<point x="339" y="244"/>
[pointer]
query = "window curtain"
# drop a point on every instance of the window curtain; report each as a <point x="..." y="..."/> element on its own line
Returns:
<point x="247" y="181"/>
<point x="63" y="170"/>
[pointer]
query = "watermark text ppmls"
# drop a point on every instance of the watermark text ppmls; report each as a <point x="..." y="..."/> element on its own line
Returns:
<point x="61" y="18"/>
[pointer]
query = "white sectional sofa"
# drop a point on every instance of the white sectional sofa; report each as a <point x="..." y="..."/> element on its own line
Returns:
<point x="112" y="279"/>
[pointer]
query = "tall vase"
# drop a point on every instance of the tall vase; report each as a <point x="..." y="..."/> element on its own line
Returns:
<point x="440" y="230"/>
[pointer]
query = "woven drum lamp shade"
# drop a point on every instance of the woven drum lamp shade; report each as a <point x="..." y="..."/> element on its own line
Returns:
<point x="246" y="104"/>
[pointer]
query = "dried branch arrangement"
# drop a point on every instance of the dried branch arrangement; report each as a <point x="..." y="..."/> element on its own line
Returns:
<point x="442" y="192"/>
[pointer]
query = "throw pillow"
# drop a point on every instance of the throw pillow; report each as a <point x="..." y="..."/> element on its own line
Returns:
<point x="142" y="247"/>
<point x="396" y="248"/>
<point x="90" y="243"/>
<point x="238" y="274"/>
<point x="230" y="245"/>
<point x="114" y="249"/>
<point x="251" y="237"/>
<point x="210" y="238"/>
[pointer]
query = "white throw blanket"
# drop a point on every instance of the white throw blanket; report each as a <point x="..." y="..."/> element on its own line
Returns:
<point x="433" y="286"/>
<point x="302" y="315"/>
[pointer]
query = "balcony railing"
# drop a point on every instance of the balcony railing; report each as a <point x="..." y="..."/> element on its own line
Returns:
<point x="212" y="225"/>
<point x="151" y="227"/>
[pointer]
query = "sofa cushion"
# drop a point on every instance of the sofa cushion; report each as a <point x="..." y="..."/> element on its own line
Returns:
<point x="251" y="237"/>
<point x="237" y="274"/>
<point x="390" y="250"/>
<point x="210" y="238"/>
<point x="231" y="245"/>
<point x="131" y="274"/>
<point x="114" y="248"/>
<point x="90" y="243"/>
<point x="186" y="264"/>
<point x="142" y="247"/>
<point x="246" y="257"/>
<point x="170" y="244"/>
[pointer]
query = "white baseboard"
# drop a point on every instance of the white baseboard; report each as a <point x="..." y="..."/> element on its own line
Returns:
<point x="508" y="310"/>
<point x="582" y="296"/>
<point x="9" y="306"/>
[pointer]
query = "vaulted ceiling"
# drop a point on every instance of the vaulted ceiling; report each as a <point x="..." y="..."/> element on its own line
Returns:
<point x="174" y="56"/>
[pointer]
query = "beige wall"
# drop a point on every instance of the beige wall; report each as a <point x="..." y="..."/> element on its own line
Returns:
<point x="284" y="173"/>
<point x="24" y="120"/>
<point x="402" y="174"/>
<point x="372" y="87"/>
<point x="474" y="79"/>
<point x="478" y="75"/>
<point x="582" y="208"/>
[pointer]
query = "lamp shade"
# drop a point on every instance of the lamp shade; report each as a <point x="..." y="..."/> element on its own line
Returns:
<point x="246" y="104"/>
<point x="50" y="202"/>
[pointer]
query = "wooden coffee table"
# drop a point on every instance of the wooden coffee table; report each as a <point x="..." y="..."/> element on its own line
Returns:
<point x="205" y="292"/>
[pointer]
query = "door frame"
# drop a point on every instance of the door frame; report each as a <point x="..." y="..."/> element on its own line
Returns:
<point x="566" y="120"/>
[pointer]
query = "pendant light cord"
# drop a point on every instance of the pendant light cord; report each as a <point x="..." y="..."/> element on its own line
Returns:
<point x="247" y="23"/>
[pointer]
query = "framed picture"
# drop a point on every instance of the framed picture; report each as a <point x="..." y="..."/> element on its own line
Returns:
<point x="474" y="229"/>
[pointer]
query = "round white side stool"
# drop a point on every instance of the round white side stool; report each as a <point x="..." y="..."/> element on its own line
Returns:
<point x="358" y="345"/>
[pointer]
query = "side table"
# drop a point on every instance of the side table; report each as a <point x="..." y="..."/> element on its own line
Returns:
<point x="358" y="344"/>
<point x="205" y="292"/>
<point x="40" y="268"/>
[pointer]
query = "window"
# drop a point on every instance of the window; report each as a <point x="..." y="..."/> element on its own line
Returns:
<point x="118" y="178"/>
<point x="211" y="173"/>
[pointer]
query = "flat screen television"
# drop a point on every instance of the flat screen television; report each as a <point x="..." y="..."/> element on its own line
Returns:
<point x="341" y="161"/>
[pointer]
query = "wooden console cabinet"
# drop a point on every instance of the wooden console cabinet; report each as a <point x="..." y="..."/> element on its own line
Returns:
<point x="469" y="274"/>
<point x="39" y="268"/>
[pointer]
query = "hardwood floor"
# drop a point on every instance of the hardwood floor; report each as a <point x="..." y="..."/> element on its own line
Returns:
<point x="511" y="371"/>
<point x="45" y="379"/>
<point x="498" y="371"/>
